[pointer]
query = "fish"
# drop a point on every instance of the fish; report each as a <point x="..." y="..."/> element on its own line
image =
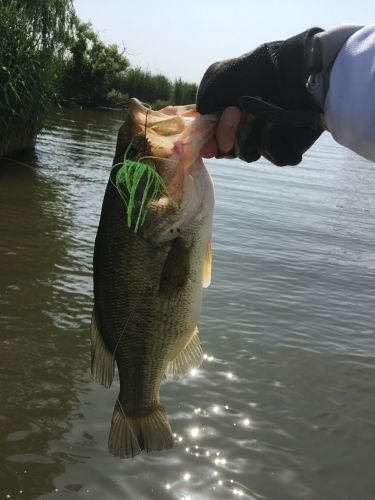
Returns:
<point x="148" y="282"/>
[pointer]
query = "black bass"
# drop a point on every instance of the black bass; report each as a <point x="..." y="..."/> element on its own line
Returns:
<point x="148" y="282"/>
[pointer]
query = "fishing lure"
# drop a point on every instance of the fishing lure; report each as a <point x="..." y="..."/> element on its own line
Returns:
<point x="127" y="182"/>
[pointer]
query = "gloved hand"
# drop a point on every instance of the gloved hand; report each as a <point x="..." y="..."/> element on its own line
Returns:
<point x="280" y="119"/>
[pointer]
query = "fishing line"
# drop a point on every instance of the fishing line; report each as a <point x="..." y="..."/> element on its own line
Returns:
<point x="118" y="342"/>
<point x="126" y="183"/>
<point x="31" y="167"/>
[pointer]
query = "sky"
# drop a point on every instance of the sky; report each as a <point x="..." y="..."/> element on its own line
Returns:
<point x="182" y="38"/>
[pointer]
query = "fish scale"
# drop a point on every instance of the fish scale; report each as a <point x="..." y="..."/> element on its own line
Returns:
<point x="148" y="284"/>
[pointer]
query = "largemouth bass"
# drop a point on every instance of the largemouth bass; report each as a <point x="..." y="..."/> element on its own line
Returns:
<point x="148" y="282"/>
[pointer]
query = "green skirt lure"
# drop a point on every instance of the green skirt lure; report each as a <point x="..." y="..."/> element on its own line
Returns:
<point x="127" y="181"/>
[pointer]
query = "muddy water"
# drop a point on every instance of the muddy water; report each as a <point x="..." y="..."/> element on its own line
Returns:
<point x="284" y="405"/>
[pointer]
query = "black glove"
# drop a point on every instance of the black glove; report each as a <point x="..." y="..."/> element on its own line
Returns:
<point x="280" y="119"/>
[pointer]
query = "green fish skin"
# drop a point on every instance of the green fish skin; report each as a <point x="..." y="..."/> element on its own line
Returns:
<point x="148" y="284"/>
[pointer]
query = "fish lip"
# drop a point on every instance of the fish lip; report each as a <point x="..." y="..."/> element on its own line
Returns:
<point x="139" y="111"/>
<point x="143" y="118"/>
<point x="145" y="104"/>
<point x="187" y="111"/>
<point x="135" y="104"/>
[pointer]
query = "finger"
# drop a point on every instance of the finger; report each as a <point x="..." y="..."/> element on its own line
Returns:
<point x="227" y="127"/>
<point x="209" y="149"/>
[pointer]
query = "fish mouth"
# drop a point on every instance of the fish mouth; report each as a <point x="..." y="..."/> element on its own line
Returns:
<point x="135" y="105"/>
<point x="157" y="168"/>
<point x="170" y="139"/>
<point x="174" y="132"/>
<point x="161" y="128"/>
<point x="166" y="122"/>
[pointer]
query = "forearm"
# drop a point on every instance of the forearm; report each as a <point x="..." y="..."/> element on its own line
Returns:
<point x="345" y="89"/>
<point x="289" y="91"/>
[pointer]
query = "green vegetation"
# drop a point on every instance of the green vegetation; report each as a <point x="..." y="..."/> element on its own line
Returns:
<point x="100" y="74"/>
<point x="146" y="87"/>
<point x="33" y="34"/>
<point x="46" y="52"/>
<point x="92" y="68"/>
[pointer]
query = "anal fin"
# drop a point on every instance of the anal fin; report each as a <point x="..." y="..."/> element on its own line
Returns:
<point x="190" y="357"/>
<point x="102" y="360"/>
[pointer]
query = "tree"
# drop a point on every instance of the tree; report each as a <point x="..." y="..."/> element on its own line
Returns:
<point x="97" y="73"/>
<point x="93" y="68"/>
<point x="32" y="37"/>
<point x="184" y="93"/>
<point x="145" y="86"/>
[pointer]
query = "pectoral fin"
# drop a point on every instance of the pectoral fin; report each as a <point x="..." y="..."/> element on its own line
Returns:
<point x="190" y="357"/>
<point x="102" y="360"/>
<point x="176" y="269"/>
<point x="207" y="266"/>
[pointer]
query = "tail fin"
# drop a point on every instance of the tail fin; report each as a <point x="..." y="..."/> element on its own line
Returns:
<point x="130" y="434"/>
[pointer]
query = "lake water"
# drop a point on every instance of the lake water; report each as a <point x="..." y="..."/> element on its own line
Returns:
<point x="284" y="405"/>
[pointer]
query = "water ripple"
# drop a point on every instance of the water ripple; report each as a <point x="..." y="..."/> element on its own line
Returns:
<point x="282" y="407"/>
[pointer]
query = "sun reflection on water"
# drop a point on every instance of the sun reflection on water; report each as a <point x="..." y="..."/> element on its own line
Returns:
<point x="217" y="461"/>
<point x="194" y="432"/>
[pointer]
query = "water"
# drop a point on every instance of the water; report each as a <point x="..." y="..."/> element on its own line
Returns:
<point x="284" y="405"/>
